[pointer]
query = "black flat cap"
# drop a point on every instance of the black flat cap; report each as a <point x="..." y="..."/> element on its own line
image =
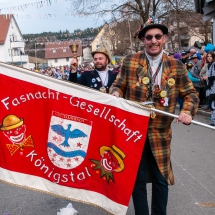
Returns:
<point x="142" y="32"/>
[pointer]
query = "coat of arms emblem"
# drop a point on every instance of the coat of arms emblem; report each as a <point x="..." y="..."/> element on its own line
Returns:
<point x="68" y="140"/>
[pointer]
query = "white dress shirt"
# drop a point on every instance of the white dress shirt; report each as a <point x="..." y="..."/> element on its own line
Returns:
<point x="104" y="76"/>
<point x="154" y="62"/>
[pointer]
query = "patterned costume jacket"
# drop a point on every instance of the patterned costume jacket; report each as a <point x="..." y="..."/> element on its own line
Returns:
<point x="159" y="129"/>
<point x="93" y="80"/>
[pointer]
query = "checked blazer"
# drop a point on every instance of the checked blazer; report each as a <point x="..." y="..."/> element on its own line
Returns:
<point x="134" y="68"/>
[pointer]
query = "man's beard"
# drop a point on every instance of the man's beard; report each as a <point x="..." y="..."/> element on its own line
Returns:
<point x="100" y="67"/>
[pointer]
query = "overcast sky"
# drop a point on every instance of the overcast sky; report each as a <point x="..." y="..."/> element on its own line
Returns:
<point x="36" y="19"/>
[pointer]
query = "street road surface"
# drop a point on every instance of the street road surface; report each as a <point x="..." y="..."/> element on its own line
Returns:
<point x="193" y="160"/>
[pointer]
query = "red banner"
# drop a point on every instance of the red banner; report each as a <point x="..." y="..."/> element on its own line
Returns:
<point x="69" y="140"/>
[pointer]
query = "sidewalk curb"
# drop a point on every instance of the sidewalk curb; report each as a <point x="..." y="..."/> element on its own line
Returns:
<point x="204" y="113"/>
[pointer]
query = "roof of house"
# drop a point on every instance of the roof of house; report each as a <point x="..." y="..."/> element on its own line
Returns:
<point x="60" y="50"/>
<point x="37" y="60"/>
<point x="104" y="26"/>
<point x="4" y="26"/>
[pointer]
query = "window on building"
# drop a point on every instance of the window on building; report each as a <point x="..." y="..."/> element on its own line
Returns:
<point x="169" y="45"/>
<point x="55" y="60"/>
<point x="12" y="39"/>
<point x="64" y="50"/>
<point x="184" y="30"/>
<point x="184" y="43"/>
<point x="9" y="52"/>
<point x="202" y="31"/>
<point x="54" y="51"/>
<point x="97" y="46"/>
<point x="67" y="59"/>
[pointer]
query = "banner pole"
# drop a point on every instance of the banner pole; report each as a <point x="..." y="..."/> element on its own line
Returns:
<point x="148" y="105"/>
<point x="176" y="116"/>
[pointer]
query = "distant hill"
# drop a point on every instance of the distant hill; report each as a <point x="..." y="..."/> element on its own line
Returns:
<point x="65" y="35"/>
<point x="86" y="36"/>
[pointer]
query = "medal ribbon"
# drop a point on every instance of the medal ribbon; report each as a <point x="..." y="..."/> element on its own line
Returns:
<point x="152" y="78"/>
<point x="156" y="72"/>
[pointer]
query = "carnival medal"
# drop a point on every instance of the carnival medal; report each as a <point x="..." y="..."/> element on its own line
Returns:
<point x="145" y="80"/>
<point x="163" y="93"/>
<point x="171" y="82"/>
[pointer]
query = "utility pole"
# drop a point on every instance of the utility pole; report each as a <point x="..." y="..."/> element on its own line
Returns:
<point x="35" y="54"/>
<point x="35" y="46"/>
<point x="11" y="51"/>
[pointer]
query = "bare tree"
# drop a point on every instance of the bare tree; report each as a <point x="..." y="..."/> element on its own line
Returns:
<point x="125" y="17"/>
<point x="199" y="28"/>
<point x="176" y="10"/>
<point x="184" y="23"/>
<point x="121" y="37"/>
<point x="141" y="9"/>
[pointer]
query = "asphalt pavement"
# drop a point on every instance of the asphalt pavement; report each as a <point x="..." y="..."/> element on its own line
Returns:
<point x="193" y="160"/>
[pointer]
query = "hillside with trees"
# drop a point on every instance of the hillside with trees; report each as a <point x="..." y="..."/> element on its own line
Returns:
<point x="36" y="42"/>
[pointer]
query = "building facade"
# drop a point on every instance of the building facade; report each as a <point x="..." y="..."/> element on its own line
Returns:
<point x="59" y="53"/>
<point x="186" y="32"/>
<point x="97" y="40"/>
<point x="207" y="8"/>
<point x="87" y="57"/>
<point x="12" y="45"/>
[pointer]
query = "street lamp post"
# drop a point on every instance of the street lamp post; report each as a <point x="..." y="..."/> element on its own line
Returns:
<point x="35" y="54"/>
<point x="35" y="46"/>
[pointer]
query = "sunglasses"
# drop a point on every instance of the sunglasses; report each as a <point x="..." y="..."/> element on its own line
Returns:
<point x="157" y="37"/>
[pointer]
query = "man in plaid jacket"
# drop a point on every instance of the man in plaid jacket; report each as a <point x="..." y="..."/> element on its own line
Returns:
<point x="152" y="75"/>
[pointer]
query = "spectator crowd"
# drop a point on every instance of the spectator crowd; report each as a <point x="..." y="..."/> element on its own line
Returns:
<point x="200" y="68"/>
<point x="63" y="72"/>
<point x="201" y="71"/>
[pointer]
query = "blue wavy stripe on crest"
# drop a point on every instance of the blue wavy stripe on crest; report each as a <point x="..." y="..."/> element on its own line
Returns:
<point x="67" y="154"/>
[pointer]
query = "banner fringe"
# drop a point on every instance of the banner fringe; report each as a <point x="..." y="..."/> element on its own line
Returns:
<point x="52" y="194"/>
<point x="138" y="105"/>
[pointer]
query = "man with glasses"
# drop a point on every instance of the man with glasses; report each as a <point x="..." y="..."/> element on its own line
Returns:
<point x="153" y="76"/>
